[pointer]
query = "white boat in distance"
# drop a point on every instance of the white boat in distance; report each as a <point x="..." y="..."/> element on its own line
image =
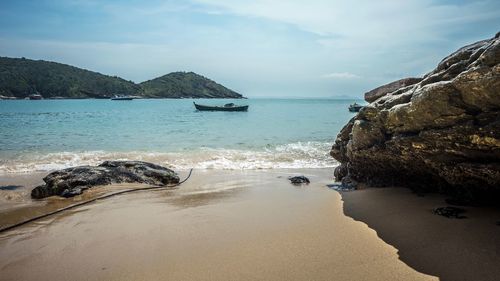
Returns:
<point x="122" y="98"/>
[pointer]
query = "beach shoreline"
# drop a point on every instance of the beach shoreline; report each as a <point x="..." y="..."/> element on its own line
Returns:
<point x="237" y="225"/>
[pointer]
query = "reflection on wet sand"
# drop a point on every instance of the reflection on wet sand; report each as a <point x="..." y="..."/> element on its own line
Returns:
<point x="196" y="192"/>
<point x="220" y="225"/>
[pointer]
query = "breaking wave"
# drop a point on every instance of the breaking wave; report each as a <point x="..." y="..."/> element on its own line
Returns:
<point x="294" y="155"/>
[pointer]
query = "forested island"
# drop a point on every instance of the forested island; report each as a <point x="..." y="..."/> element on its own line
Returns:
<point x="21" y="77"/>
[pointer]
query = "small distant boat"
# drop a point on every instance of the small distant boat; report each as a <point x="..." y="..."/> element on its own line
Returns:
<point x="122" y="98"/>
<point x="355" y="107"/>
<point x="226" y="107"/>
<point x="35" y="97"/>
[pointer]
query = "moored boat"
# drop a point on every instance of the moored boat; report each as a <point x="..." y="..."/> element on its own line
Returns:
<point x="122" y="98"/>
<point x="35" y="97"/>
<point x="226" y="107"/>
<point x="355" y="107"/>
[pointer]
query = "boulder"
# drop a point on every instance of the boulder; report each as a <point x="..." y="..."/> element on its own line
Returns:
<point x="73" y="181"/>
<point x="299" y="180"/>
<point x="381" y="91"/>
<point x="450" y="212"/>
<point x="441" y="133"/>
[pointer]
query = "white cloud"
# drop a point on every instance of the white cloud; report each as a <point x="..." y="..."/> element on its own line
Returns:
<point x="380" y="40"/>
<point x="260" y="46"/>
<point x="340" y="75"/>
<point x="365" y="22"/>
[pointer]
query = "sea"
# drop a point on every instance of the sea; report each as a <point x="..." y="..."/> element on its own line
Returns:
<point x="45" y="135"/>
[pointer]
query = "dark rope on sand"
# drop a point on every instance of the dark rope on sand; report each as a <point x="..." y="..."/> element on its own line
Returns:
<point x="90" y="201"/>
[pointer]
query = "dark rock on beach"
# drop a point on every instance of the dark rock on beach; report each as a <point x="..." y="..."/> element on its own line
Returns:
<point x="299" y="180"/>
<point x="340" y="187"/>
<point x="72" y="181"/>
<point x="450" y="212"/>
<point x="439" y="133"/>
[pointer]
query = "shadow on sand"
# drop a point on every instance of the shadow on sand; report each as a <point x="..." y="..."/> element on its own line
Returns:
<point x="10" y="187"/>
<point x="451" y="249"/>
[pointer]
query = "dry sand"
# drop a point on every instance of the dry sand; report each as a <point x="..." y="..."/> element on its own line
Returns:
<point x="244" y="225"/>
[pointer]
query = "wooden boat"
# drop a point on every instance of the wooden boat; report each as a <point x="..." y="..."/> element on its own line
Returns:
<point x="122" y="98"/>
<point x="355" y="107"/>
<point x="226" y="107"/>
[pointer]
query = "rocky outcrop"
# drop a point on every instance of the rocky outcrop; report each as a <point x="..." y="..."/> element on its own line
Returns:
<point x="381" y="91"/>
<point x="439" y="134"/>
<point x="72" y="181"/>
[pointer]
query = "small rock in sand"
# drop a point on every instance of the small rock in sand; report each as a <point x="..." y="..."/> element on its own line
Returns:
<point x="450" y="212"/>
<point x="299" y="180"/>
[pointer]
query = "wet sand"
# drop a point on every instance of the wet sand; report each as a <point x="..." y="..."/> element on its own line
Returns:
<point x="453" y="249"/>
<point x="228" y="225"/>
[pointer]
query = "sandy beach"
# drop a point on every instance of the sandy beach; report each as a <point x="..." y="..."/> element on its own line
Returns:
<point x="453" y="249"/>
<point x="158" y="140"/>
<point x="252" y="225"/>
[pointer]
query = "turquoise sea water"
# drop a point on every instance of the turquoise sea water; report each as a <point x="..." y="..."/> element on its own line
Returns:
<point x="274" y="133"/>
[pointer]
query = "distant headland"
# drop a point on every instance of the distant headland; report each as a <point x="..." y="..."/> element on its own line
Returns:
<point x="21" y="77"/>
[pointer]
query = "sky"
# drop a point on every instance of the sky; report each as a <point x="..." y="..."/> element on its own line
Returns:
<point x="259" y="48"/>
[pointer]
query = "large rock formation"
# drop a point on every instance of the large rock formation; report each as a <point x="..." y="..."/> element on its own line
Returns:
<point x="439" y="134"/>
<point x="72" y="181"/>
<point x="381" y="91"/>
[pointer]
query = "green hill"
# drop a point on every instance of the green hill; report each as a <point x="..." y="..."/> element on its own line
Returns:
<point x="22" y="77"/>
<point x="185" y="85"/>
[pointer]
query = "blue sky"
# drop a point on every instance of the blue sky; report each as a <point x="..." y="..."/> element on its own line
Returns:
<point x="260" y="48"/>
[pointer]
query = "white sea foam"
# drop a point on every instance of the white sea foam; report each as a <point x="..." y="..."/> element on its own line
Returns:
<point x="294" y="155"/>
